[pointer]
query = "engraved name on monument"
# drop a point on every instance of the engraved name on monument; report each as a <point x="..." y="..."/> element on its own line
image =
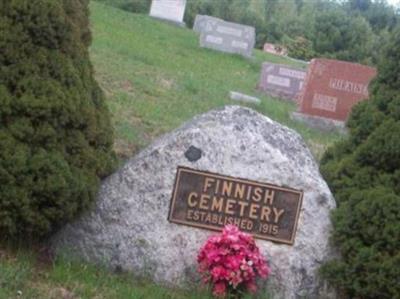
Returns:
<point x="324" y="102"/>
<point x="225" y="36"/>
<point x="171" y="10"/>
<point x="211" y="201"/>
<point x="281" y="81"/>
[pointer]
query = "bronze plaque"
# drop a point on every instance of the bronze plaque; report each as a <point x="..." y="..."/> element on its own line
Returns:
<point x="209" y="200"/>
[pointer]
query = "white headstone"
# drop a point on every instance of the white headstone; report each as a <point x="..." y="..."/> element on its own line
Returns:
<point x="171" y="10"/>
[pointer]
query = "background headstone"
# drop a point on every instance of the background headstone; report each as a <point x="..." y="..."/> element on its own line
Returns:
<point x="225" y="36"/>
<point x="333" y="87"/>
<point x="128" y="228"/>
<point x="275" y="49"/>
<point x="281" y="80"/>
<point x="170" y="10"/>
<point x="200" y="22"/>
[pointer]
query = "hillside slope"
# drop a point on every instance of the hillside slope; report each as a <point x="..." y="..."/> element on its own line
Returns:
<point x="156" y="77"/>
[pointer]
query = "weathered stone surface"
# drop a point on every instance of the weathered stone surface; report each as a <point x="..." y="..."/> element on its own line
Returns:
<point x="170" y="10"/>
<point x="225" y="36"/>
<point x="128" y="227"/>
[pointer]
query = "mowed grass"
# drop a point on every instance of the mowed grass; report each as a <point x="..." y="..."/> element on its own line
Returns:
<point x="156" y="77"/>
<point x="22" y="276"/>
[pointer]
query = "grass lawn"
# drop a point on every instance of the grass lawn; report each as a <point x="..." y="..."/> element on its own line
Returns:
<point x="23" y="277"/>
<point x="156" y="77"/>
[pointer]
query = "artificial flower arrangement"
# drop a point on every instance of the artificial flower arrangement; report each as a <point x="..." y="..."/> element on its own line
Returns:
<point x="231" y="262"/>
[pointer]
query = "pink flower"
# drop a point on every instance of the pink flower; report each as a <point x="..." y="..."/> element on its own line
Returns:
<point x="219" y="273"/>
<point x="231" y="260"/>
<point x="231" y="229"/>
<point x="235" y="279"/>
<point x="213" y="255"/>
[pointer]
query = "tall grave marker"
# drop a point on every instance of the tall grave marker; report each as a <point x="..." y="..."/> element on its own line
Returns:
<point x="225" y="36"/>
<point x="333" y="87"/>
<point x="170" y="10"/>
<point x="281" y="80"/>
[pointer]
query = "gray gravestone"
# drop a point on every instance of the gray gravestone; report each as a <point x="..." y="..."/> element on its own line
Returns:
<point x="170" y="10"/>
<point x="128" y="228"/>
<point x="200" y="22"/>
<point x="281" y="80"/>
<point x="225" y="36"/>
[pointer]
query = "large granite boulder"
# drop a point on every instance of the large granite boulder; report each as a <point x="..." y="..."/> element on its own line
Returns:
<point x="128" y="228"/>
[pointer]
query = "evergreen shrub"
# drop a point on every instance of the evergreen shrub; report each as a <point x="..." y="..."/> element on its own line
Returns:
<point x="55" y="132"/>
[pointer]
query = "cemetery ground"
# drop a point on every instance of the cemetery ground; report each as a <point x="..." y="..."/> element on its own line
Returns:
<point x="22" y="276"/>
<point x="155" y="77"/>
<point x="26" y="275"/>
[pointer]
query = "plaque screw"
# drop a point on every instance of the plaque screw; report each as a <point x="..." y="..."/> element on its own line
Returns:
<point x="193" y="153"/>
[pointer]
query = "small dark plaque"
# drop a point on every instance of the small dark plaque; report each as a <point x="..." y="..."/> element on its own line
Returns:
<point x="208" y="200"/>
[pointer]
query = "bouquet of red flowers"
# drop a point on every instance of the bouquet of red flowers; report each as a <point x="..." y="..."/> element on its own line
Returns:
<point x="231" y="262"/>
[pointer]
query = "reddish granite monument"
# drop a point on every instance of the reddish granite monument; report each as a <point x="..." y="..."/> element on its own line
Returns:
<point x="275" y="49"/>
<point x="333" y="87"/>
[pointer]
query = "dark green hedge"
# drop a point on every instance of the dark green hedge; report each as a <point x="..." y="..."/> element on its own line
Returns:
<point x="364" y="175"/>
<point x="55" y="133"/>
